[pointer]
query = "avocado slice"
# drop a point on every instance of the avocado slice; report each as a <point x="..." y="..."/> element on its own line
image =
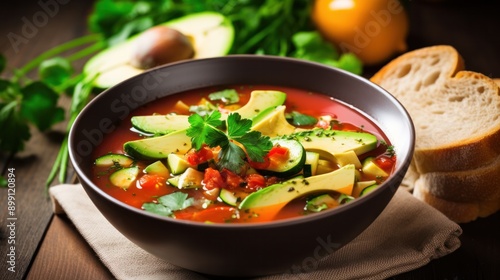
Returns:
<point x="260" y="102"/>
<point x="211" y="33"/>
<point x="266" y="203"/>
<point x="273" y="123"/>
<point x="336" y="142"/>
<point x="159" y="147"/>
<point x="160" y="124"/>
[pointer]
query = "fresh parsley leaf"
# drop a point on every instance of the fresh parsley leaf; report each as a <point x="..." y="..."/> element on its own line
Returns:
<point x="232" y="157"/>
<point x="158" y="209"/>
<point x="311" y="46"/>
<point x="15" y="130"/>
<point x="39" y="105"/>
<point x="169" y="203"/>
<point x="256" y="145"/>
<point x="176" y="201"/>
<point x="203" y="130"/>
<point x="227" y="96"/>
<point x="56" y="71"/>
<point x="299" y="119"/>
<point x="236" y="126"/>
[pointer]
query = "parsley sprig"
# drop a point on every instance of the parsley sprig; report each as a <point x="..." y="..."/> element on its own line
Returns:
<point x="205" y="130"/>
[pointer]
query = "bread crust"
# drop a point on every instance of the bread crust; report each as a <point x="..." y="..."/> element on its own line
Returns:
<point x="459" y="212"/>
<point x="475" y="185"/>
<point x="461" y="154"/>
<point x="456" y="62"/>
<point x="455" y="167"/>
<point x="470" y="152"/>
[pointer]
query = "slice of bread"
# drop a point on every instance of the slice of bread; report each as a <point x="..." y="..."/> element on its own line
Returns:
<point x="459" y="212"/>
<point x="456" y="113"/>
<point x="476" y="185"/>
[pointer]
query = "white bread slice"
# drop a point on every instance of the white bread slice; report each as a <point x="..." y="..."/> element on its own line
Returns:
<point x="497" y="80"/>
<point x="476" y="185"/>
<point x="456" y="113"/>
<point x="459" y="212"/>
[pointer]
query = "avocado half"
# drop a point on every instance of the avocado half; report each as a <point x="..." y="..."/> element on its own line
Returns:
<point x="212" y="35"/>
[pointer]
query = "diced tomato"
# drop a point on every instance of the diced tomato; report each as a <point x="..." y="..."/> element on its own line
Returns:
<point x="183" y="215"/>
<point x="152" y="182"/>
<point x="260" y="165"/>
<point x="203" y="155"/>
<point x="231" y="179"/>
<point x="255" y="182"/>
<point x="278" y="151"/>
<point x="384" y="162"/>
<point x="213" y="179"/>
<point x="218" y="214"/>
<point x="278" y="155"/>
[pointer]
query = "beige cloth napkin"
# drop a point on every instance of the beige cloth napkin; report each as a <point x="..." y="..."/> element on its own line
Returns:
<point x="407" y="235"/>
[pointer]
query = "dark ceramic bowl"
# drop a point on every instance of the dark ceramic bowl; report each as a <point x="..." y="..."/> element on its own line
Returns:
<point x="294" y="245"/>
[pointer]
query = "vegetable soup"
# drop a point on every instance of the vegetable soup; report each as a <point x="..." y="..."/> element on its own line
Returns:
<point x="241" y="154"/>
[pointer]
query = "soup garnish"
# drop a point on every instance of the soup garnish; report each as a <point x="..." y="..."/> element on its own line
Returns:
<point x="238" y="156"/>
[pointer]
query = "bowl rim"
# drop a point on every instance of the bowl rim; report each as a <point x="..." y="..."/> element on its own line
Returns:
<point x="405" y="161"/>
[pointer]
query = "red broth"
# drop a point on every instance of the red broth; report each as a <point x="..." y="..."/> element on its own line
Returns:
<point x="305" y="102"/>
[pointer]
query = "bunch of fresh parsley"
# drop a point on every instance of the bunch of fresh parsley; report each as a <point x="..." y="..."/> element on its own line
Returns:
<point x="205" y="131"/>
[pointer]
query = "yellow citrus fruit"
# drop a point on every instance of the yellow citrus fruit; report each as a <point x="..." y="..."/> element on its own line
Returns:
<point x="374" y="30"/>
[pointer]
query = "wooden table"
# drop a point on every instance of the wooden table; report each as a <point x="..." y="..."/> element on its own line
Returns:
<point x="49" y="247"/>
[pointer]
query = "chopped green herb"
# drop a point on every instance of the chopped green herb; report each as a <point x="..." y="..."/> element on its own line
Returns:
<point x="227" y="96"/>
<point x="169" y="203"/>
<point x="299" y="119"/>
<point x="203" y="130"/>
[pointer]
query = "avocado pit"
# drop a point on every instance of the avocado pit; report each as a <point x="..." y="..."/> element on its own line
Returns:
<point x="161" y="45"/>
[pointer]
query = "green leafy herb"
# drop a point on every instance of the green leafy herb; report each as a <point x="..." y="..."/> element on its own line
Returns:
<point x="56" y="71"/>
<point x="169" y="203"/>
<point x="311" y="46"/>
<point x="227" y="96"/>
<point x="299" y="119"/>
<point x="204" y="130"/>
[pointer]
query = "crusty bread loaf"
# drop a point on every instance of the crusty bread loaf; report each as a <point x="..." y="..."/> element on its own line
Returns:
<point x="456" y="113"/>
<point x="456" y="164"/>
<point x="460" y="212"/>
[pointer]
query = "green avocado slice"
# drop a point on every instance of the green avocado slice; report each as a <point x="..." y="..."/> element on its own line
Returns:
<point x="335" y="142"/>
<point x="212" y="35"/>
<point x="160" y="124"/>
<point x="266" y="203"/>
<point x="260" y="102"/>
<point x="159" y="147"/>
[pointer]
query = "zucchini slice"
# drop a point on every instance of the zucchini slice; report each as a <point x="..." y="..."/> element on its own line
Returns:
<point x="232" y="198"/>
<point x="113" y="159"/>
<point x="321" y="202"/>
<point x="368" y="189"/>
<point x="124" y="178"/>
<point x="295" y="163"/>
